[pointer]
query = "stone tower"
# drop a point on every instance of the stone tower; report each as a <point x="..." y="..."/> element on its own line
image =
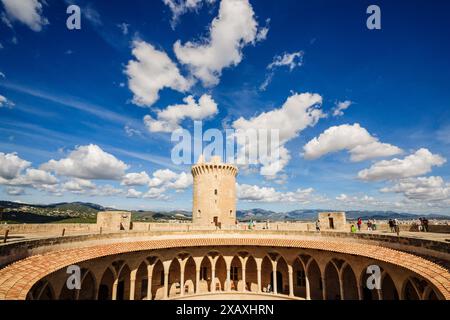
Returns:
<point x="214" y="201"/>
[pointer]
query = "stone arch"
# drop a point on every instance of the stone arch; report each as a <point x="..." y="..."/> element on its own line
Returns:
<point x="158" y="280"/>
<point x="235" y="273"/>
<point x="123" y="283"/>
<point x="88" y="289"/>
<point x="349" y="283"/>
<point x="266" y="272"/>
<point x="141" y="282"/>
<point x="67" y="294"/>
<point x="221" y="274"/>
<point x="174" y="286"/>
<point x="106" y="285"/>
<point x="282" y="276"/>
<point x="251" y="275"/>
<point x="42" y="290"/>
<point x="189" y="276"/>
<point x="332" y="283"/>
<point x="299" y="275"/>
<point x="388" y="289"/>
<point x="315" y="280"/>
<point x="409" y="291"/>
<point x="205" y="275"/>
<point x="430" y="294"/>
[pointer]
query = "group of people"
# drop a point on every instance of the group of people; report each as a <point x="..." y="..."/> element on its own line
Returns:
<point x="394" y="226"/>
<point x="423" y="224"/>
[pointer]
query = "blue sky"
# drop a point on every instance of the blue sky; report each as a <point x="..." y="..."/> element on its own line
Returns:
<point x="66" y="94"/>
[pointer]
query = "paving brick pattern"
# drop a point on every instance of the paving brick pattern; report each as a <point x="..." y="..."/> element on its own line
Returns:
<point x="18" y="278"/>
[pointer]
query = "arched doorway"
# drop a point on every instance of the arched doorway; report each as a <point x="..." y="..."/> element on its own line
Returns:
<point x="266" y="275"/>
<point x="282" y="277"/>
<point x="205" y="275"/>
<point x="123" y="284"/>
<point x="235" y="274"/>
<point x="158" y="281"/>
<point x="299" y="278"/>
<point x="315" y="280"/>
<point x="350" y="286"/>
<point x="88" y="286"/>
<point x="42" y="290"/>
<point x="106" y="284"/>
<point x="251" y="275"/>
<point x="221" y="274"/>
<point x="189" y="276"/>
<point x="332" y="286"/>
<point x="141" y="283"/>
<point x="174" y="278"/>
<point x="388" y="289"/>
<point x="409" y="292"/>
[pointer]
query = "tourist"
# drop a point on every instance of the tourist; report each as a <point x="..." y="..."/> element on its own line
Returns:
<point x="425" y="224"/>
<point x="318" y="226"/>
<point x="353" y="229"/>
<point x="397" y="227"/>
<point x="391" y="225"/>
<point x="420" y="225"/>
<point x="359" y="223"/>
<point x="369" y="225"/>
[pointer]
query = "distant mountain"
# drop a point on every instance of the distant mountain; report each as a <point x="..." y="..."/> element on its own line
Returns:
<point x="311" y="214"/>
<point x="22" y="212"/>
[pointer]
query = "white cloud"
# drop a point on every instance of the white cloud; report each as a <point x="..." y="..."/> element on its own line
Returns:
<point x="130" y="132"/>
<point x="422" y="189"/>
<point x="291" y="60"/>
<point x="419" y="163"/>
<point x="340" y="107"/>
<point x="88" y="162"/>
<point x="183" y="181"/>
<point x="136" y="179"/>
<point x="11" y="165"/>
<point x="123" y="27"/>
<point x="233" y="29"/>
<point x="78" y="185"/>
<point x="106" y="191"/>
<point x="2" y="75"/>
<point x="31" y="177"/>
<point x="297" y="113"/>
<point x="4" y="102"/>
<point x="170" y="118"/>
<point x="253" y="193"/>
<point x="180" y="7"/>
<point x="15" y="191"/>
<point x="91" y="15"/>
<point x="28" y="12"/>
<point x="155" y="193"/>
<point x="353" y="138"/>
<point x="151" y="72"/>
<point x="132" y="193"/>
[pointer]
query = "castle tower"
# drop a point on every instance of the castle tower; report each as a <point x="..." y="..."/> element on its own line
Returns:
<point x="214" y="201"/>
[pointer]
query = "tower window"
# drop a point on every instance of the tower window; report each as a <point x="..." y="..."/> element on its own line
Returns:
<point x="215" y="192"/>
<point x="199" y="213"/>
<point x="231" y="213"/>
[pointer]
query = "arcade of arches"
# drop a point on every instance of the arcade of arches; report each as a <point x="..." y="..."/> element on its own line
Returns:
<point x="288" y="273"/>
